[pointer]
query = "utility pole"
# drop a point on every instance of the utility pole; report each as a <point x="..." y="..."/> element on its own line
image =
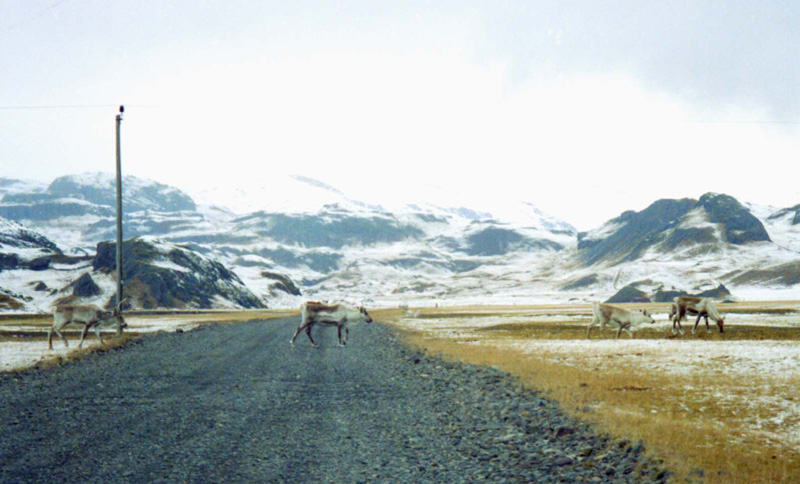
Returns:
<point x="119" y="212"/>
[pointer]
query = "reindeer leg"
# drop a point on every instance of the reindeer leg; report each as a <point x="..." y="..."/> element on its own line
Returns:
<point x="676" y="325"/>
<point x="60" y="336"/>
<point x="339" y="333"/>
<point x="346" y="334"/>
<point x="589" y="329"/>
<point x="708" y="329"/>
<point x="308" y="333"/>
<point x="83" y="334"/>
<point x="97" y="332"/>
<point x="628" y="330"/>
<point x="302" y="326"/>
<point x="699" y="316"/>
<point x="681" y="314"/>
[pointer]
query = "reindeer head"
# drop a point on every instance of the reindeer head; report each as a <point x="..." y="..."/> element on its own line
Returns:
<point x="364" y="313"/>
<point x="647" y="317"/>
<point x="120" y="319"/>
<point x="721" y="323"/>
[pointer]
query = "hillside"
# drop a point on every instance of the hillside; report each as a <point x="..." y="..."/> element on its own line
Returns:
<point x="334" y="246"/>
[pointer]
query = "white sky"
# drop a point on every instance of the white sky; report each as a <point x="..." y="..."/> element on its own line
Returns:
<point x="584" y="108"/>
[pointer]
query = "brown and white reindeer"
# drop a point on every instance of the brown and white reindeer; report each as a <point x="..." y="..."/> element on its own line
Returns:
<point x="90" y="316"/>
<point x="339" y="315"/>
<point x="673" y="316"/>
<point x="701" y="306"/>
<point x="624" y="319"/>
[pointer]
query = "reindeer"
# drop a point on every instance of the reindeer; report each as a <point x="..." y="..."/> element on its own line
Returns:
<point x="624" y="319"/>
<point x="90" y="316"/>
<point x="673" y="313"/>
<point x="702" y="307"/>
<point x="314" y="312"/>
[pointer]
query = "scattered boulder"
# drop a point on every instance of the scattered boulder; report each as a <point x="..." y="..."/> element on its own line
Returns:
<point x="627" y="294"/>
<point x="9" y="261"/>
<point x="39" y="264"/>
<point x="282" y="283"/>
<point x="85" y="286"/>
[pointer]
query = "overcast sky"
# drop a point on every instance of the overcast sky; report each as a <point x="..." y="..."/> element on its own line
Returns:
<point x="584" y="108"/>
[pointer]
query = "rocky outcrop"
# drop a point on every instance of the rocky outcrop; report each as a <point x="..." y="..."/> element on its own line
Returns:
<point x="14" y="235"/>
<point x="787" y="274"/>
<point x="159" y="274"/>
<point x="702" y="226"/>
<point x="85" y="286"/>
<point x="333" y="229"/>
<point x="739" y="225"/>
<point x="632" y="294"/>
<point x="282" y="283"/>
<point x="493" y="241"/>
<point x="629" y="294"/>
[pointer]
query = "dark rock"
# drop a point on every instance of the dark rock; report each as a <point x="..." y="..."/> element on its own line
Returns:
<point x="740" y="225"/>
<point x="563" y="461"/>
<point x="627" y="294"/>
<point x="39" y="264"/>
<point x="282" y="283"/>
<point x="85" y="286"/>
<point x="9" y="261"/>
<point x="794" y="212"/>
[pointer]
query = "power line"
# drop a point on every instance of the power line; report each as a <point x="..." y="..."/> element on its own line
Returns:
<point x="81" y="106"/>
<point x="159" y="106"/>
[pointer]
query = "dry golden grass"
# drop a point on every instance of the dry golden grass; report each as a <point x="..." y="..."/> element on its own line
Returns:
<point x="77" y="353"/>
<point x="681" y="420"/>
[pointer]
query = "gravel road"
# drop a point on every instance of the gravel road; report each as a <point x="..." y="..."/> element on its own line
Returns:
<point x="233" y="403"/>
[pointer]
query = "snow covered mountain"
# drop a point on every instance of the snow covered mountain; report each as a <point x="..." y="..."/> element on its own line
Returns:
<point x="292" y="238"/>
<point x="691" y="246"/>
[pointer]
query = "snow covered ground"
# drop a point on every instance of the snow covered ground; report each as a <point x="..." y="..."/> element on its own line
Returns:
<point x="757" y="380"/>
<point x="23" y="354"/>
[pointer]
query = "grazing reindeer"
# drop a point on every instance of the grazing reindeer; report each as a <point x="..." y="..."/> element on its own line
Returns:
<point x="90" y="316"/>
<point x="313" y="312"/>
<point x="673" y="316"/>
<point x="624" y="319"/>
<point x="703" y="307"/>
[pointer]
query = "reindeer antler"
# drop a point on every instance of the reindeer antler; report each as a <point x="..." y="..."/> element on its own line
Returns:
<point x="118" y="309"/>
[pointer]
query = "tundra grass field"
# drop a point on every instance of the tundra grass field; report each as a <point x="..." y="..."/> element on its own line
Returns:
<point x="716" y="407"/>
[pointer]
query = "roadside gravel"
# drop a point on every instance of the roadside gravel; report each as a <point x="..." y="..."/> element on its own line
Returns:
<point x="230" y="403"/>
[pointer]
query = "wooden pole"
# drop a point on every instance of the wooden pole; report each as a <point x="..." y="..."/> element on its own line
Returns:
<point x="119" y="212"/>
